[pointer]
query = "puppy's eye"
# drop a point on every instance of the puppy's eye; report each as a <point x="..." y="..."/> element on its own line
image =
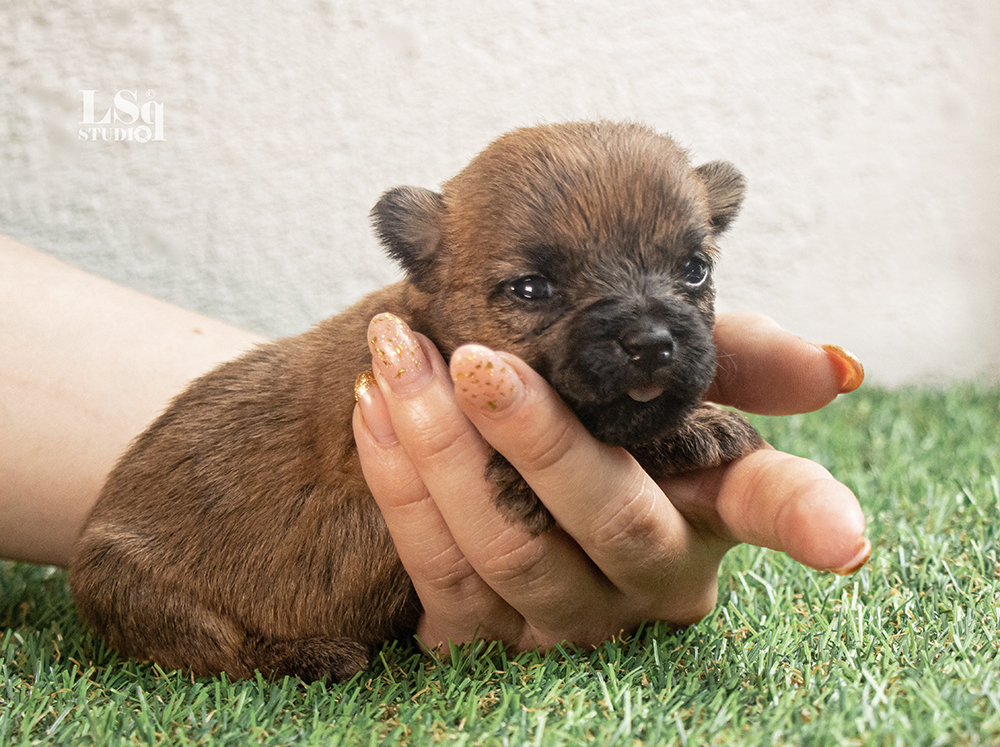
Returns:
<point x="532" y="288"/>
<point x="696" y="271"/>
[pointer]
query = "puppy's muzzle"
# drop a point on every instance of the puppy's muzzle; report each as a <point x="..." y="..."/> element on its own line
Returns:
<point x="615" y="349"/>
<point x="632" y="370"/>
<point x="649" y="348"/>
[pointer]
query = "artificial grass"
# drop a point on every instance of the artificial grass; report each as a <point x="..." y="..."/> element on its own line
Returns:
<point x="905" y="652"/>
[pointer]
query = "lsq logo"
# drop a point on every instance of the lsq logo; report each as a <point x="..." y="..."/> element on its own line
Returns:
<point x="127" y="119"/>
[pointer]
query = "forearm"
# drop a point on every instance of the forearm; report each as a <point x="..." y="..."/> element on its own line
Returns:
<point x="85" y="365"/>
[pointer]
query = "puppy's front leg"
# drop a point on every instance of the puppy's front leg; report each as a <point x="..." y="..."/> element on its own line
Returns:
<point x="709" y="437"/>
<point x="515" y="499"/>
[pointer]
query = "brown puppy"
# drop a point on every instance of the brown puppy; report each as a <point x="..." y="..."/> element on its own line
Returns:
<point x="237" y="533"/>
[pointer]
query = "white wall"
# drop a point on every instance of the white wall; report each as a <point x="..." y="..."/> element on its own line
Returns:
<point x="870" y="134"/>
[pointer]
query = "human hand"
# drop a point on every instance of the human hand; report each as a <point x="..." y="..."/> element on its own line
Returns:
<point x="625" y="549"/>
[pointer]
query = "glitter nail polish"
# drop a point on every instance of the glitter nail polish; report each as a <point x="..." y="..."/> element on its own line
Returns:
<point x="484" y="379"/>
<point x="397" y="354"/>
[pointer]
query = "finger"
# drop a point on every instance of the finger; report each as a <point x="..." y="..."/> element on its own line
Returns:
<point x="458" y="605"/>
<point x="450" y="457"/>
<point x="764" y="369"/>
<point x="779" y="501"/>
<point x="596" y="492"/>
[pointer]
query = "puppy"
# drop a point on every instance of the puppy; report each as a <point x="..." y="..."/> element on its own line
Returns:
<point x="238" y="534"/>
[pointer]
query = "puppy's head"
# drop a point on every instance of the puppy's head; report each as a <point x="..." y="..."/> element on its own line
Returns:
<point x="587" y="249"/>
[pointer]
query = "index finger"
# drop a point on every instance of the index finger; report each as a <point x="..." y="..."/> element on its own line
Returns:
<point x="766" y="370"/>
<point x="598" y="493"/>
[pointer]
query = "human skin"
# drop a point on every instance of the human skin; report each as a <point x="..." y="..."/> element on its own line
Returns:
<point x="85" y="366"/>
<point x="626" y="549"/>
<point x="88" y="364"/>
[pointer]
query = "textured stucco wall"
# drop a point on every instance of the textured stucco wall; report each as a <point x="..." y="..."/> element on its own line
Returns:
<point x="869" y="132"/>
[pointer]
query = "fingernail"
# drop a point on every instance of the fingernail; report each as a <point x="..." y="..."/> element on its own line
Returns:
<point x="364" y="382"/>
<point x="373" y="409"/>
<point x="484" y="379"/>
<point x="858" y="561"/>
<point x="397" y="354"/>
<point x="849" y="368"/>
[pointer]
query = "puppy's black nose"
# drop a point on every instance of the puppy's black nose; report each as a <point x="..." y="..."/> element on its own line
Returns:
<point x="649" y="346"/>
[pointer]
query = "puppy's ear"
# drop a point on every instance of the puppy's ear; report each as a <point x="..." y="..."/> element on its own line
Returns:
<point x="407" y="221"/>
<point x="726" y="187"/>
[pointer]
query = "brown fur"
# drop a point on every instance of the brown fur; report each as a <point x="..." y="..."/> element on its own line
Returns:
<point x="237" y="533"/>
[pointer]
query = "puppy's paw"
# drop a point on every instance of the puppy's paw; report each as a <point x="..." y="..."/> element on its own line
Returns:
<point x="309" y="659"/>
<point x="728" y="435"/>
<point x="516" y="501"/>
<point x="709" y="437"/>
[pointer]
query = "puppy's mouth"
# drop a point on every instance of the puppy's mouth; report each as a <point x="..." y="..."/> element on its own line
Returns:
<point x="645" y="393"/>
<point x="632" y="372"/>
<point x="625" y="407"/>
<point x="628" y="421"/>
